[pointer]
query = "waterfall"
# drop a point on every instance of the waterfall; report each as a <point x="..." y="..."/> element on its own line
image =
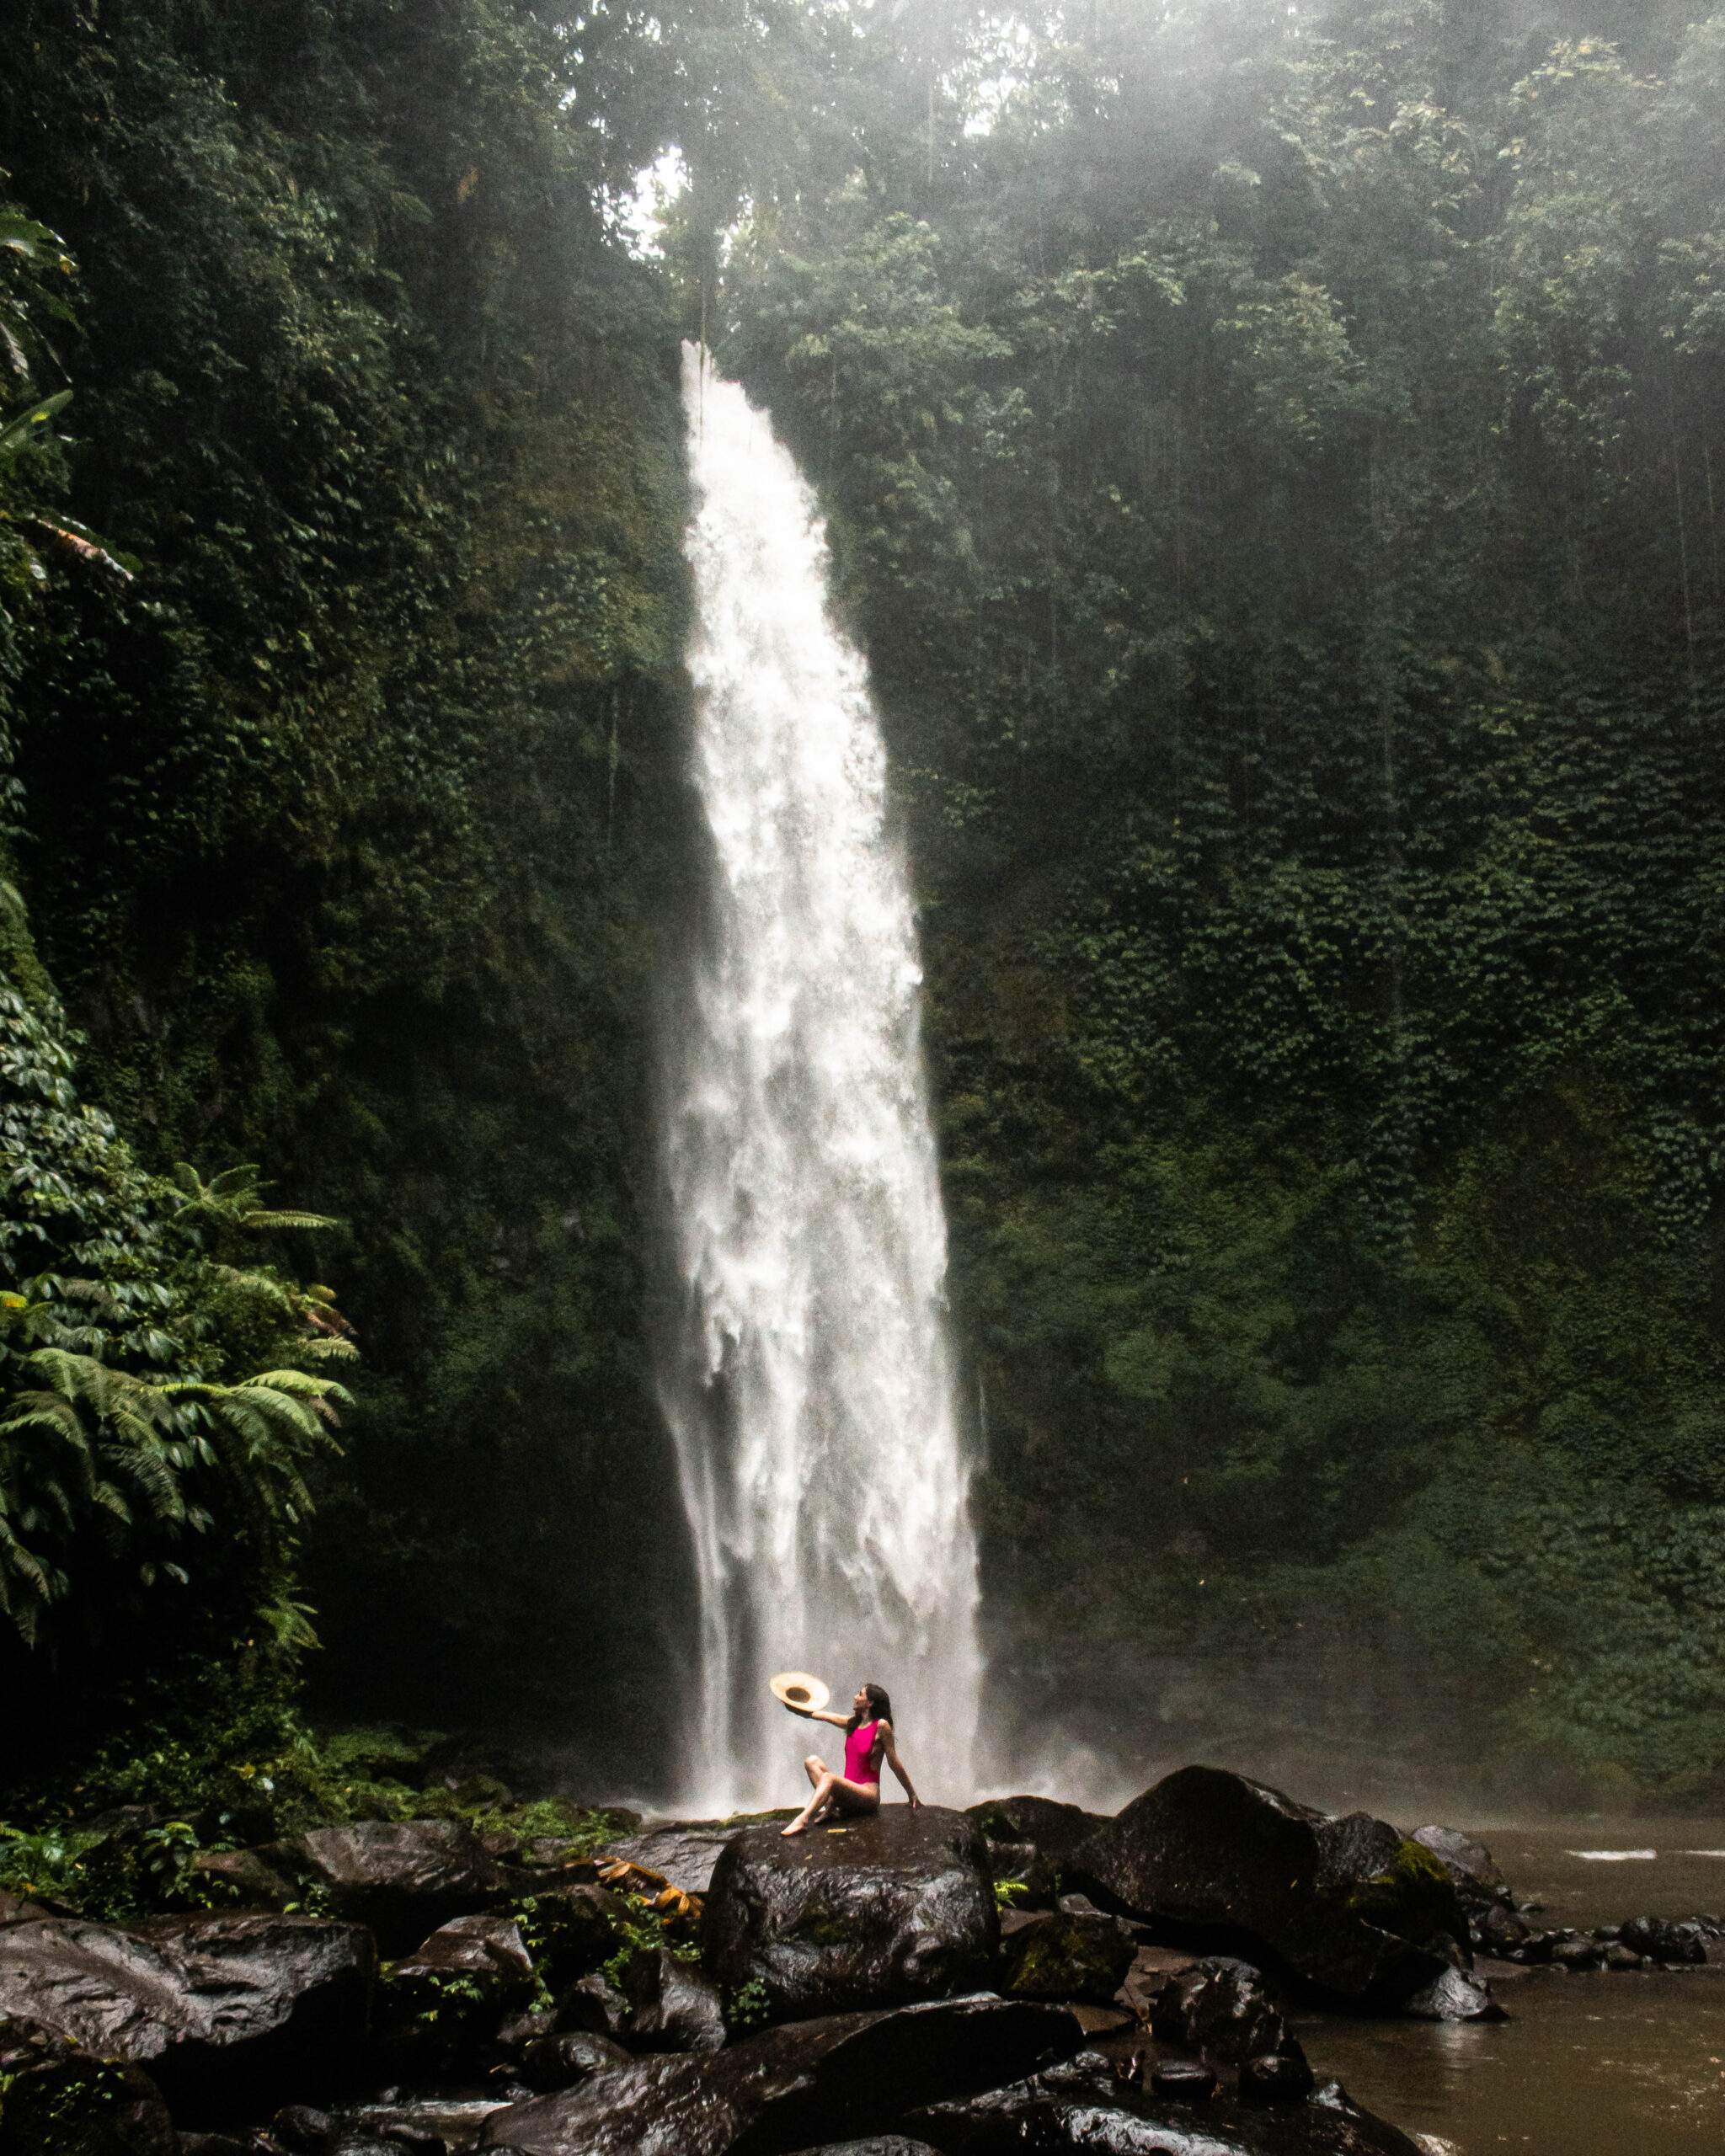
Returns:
<point x="805" y="1373"/>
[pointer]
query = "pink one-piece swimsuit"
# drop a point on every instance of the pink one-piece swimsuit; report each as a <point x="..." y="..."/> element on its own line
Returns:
<point x="862" y="1749"/>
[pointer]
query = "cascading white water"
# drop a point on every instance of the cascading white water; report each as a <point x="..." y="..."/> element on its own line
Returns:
<point x="806" y="1378"/>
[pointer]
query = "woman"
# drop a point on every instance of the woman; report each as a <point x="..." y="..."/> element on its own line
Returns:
<point x="869" y="1740"/>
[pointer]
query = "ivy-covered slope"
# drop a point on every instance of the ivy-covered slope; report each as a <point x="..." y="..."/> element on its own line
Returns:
<point x="1276" y="459"/>
<point x="344" y="825"/>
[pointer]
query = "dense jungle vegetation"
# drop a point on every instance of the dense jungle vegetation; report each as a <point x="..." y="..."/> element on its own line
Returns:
<point x="1271" y="452"/>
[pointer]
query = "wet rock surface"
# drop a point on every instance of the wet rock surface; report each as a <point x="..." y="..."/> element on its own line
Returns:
<point x="1478" y="1883"/>
<point x="1224" y="2010"/>
<point x="1340" y="1903"/>
<point x="1454" y="1996"/>
<point x="404" y="1878"/>
<point x="221" y="2011"/>
<point x="875" y="1913"/>
<point x="1082" y="2104"/>
<point x="685" y="1852"/>
<point x="793" y="2087"/>
<point x="1068" y="1956"/>
<point x="672" y="2005"/>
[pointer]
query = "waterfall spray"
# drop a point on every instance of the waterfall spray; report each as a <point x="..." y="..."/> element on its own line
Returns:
<point x="806" y="1375"/>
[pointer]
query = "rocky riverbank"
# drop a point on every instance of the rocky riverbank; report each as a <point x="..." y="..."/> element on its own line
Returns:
<point x="1026" y="1975"/>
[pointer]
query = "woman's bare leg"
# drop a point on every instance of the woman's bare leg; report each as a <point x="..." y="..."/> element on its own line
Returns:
<point x="814" y="1767"/>
<point x="832" y="1792"/>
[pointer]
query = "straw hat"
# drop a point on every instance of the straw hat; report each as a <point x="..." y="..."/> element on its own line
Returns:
<point x="797" y="1689"/>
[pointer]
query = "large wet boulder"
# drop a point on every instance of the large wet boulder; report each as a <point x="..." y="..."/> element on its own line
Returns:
<point x="1478" y="1883"/>
<point x="1346" y="1905"/>
<point x="403" y="1877"/>
<point x="1080" y="2104"/>
<point x="795" y="2087"/>
<point x="684" y="1852"/>
<point x="222" y="2011"/>
<point x="877" y="1911"/>
<point x="1068" y="1955"/>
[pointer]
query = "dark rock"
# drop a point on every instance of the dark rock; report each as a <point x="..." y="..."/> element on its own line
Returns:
<point x="221" y="2010"/>
<point x="574" y="1929"/>
<point x="1278" y="2077"/>
<point x="1021" y="1868"/>
<point x="1080" y="2105"/>
<point x="517" y="2031"/>
<point x="672" y="2006"/>
<point x="1345" y="1904"/>
<point x="489" y="1946"/>
<point x="302" y="2126"/>
<point x="1454" y="1996"/>
<point x="545" y="1851"/>
<point x="562" y="2061"/>
<point x="1478" y="1883"/>
<point x="683" y="1852"/>
<point x="1500" y="1930"/>
<point x="242" y="1877"/>
<point x="362" y="2144"/>
<point x="13" y="1909"/>
<point x="1664" y="1940"/>
<point x="453" y="2123"/>
<point x="57" y="2097"/>
<point x="878" y="2144"/>
<point x="1619" y="1957"/>
<point x="1068" y="1956"/>
<point x="1576" y="1954"/>
<point x="884" y="1911"/>
<point x="438" y="2010"/>
<point x="792" y="2087"/>
<point x="212" y="2145"/>
<point x="499" y="1842"/>
<point x="595" y="2004"/>
<point x="1184" y="2077"/>
<point x="403" y="1877"/>
<point x="1014" y="1921"/>
<point x="1151" y="1967"/>
<point x="1056" y="1831"/>
<point x="1223" y="2010"/>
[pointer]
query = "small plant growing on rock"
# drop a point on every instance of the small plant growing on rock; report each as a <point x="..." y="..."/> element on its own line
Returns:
<point x="746" y="2007"/>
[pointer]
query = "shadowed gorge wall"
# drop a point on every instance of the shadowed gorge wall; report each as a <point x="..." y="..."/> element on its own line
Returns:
<point x="346" y="823"/>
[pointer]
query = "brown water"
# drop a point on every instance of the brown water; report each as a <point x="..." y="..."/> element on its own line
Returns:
<point x="1591" y="2065"/>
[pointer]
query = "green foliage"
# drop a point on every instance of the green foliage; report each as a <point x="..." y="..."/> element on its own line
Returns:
<point x="1272" y="469"/>
<point x="1412" y="1896"/>
<point x="747" y="2007"/>
<point x="646" y="1930"/>
<point x="345" y="823"/>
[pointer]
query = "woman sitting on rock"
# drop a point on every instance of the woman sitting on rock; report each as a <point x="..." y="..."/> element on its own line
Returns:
<point x="869" y="1740"/>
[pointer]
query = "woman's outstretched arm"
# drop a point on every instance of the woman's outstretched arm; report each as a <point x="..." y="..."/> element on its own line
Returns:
<point x="818" y="1714"/>
<point x="897" y="1765"/>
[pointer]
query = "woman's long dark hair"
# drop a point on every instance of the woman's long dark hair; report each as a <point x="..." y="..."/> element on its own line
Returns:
<point x="878" y="1699"/>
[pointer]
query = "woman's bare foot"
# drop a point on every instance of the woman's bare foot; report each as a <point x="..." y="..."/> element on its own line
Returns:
<point x="796" y="1826"/>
